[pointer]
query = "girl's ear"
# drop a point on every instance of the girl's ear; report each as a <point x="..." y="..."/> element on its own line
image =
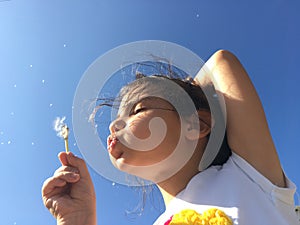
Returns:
<point x="196" y="131"/>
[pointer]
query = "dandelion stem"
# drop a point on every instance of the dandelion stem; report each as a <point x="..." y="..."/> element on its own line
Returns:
<point x="66" y="145"/>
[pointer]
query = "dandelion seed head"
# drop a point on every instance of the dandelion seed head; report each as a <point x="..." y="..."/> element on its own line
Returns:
<point x="60" y="127"/>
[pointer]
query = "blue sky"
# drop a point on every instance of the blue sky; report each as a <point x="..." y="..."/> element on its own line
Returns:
<point x="45" y="47"/>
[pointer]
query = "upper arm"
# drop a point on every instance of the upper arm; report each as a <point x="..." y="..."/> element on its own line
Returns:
<point x="247" y="129"/>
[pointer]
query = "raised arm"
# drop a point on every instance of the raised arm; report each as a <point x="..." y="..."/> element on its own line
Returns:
<point x="247" y="129"/>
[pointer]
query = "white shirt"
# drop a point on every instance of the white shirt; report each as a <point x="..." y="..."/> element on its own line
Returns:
<point x="241" y="192"/>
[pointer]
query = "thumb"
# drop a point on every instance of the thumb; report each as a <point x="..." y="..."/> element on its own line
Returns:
<point x="62" y="156"/>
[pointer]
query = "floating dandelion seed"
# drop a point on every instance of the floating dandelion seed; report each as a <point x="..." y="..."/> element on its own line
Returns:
<point x="15" y="86"/>
<point x="43" y="81"/>
<point x="50" y="105"/>
<point x="197" y="15"/>
<point x="65" y="45"/>
<point x="9" y="142"/>
<point x="30" y="65"/>
<point x="62" y="130"/>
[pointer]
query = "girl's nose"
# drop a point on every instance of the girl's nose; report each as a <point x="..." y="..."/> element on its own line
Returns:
<point x="117" y="125"/>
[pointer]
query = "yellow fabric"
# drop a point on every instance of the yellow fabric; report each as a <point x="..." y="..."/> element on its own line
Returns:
<point x="209" y="217"/>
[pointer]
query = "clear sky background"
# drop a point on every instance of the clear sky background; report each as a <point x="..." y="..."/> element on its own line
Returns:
<point x="45" y="47"/>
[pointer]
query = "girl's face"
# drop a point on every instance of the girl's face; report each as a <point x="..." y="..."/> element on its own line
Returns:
<point x="149" y="138"/>
<point x="136" y="124"/>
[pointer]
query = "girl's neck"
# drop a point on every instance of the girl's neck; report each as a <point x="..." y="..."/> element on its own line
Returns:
<point x="171" y="187"/>
<point x="178" y="182"/>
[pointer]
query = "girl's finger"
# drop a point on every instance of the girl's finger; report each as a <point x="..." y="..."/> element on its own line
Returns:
<point x="59" y="180"/>
<point x="66" y="169"/>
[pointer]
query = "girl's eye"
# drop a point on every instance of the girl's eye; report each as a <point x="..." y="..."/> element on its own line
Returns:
<point x="138" y="110"/>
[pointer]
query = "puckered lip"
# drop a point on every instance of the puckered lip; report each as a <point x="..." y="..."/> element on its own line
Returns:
<point x="111" y="147"/>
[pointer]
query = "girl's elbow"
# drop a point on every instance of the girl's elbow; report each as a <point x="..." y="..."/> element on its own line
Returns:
<point x="224" y="55"/>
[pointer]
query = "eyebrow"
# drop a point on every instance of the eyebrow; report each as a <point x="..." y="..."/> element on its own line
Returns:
<point x="133" y="104"/>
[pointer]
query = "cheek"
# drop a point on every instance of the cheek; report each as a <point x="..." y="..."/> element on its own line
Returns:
<point x="173" y="135"/>
<point x="159" y="153"/>
<point x="140" y="128"/>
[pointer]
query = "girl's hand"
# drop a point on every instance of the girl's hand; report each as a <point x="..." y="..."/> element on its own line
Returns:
<point x="69" y="194"/>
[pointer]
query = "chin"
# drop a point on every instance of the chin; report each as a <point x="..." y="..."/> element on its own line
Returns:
<point x="119" y="163"/>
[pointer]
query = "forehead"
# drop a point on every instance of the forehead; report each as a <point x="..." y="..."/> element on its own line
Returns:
<point x="147" y="89"/>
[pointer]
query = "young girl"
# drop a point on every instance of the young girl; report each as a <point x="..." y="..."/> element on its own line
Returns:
<point x="159" y="136"/>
